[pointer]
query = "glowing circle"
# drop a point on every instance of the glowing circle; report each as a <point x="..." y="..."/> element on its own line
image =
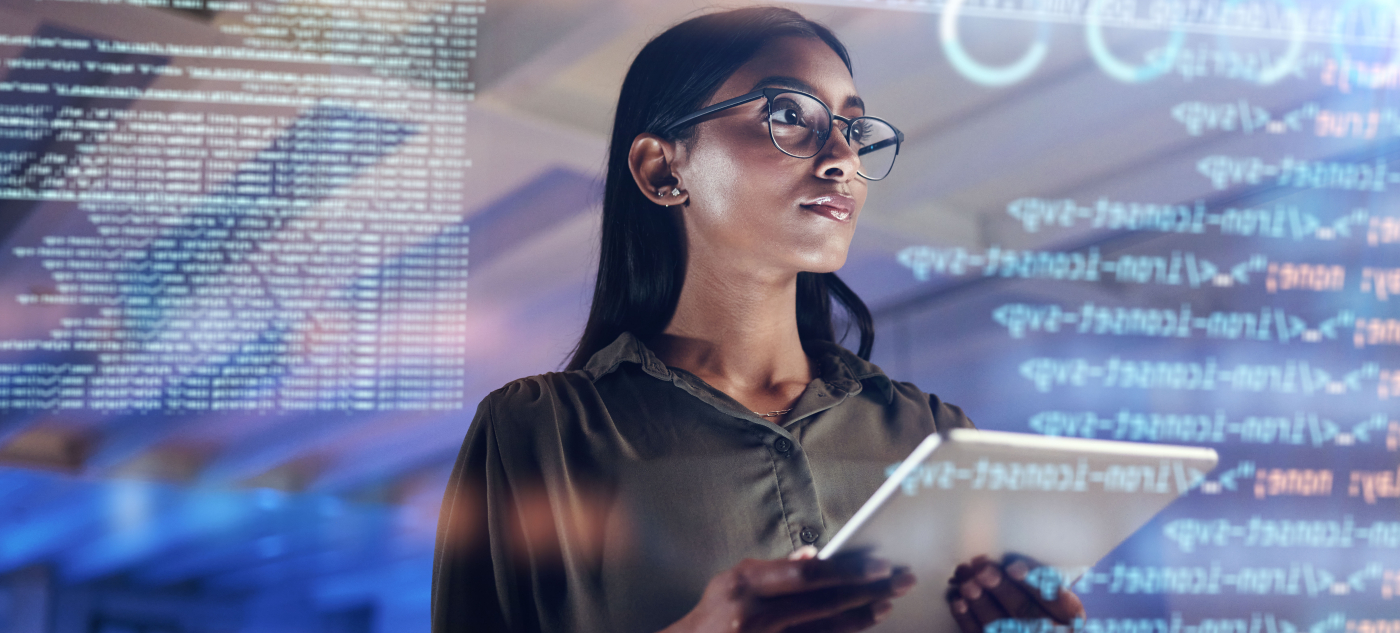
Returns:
<point x="1116" y="68"/>
<point x="977" y="71"/>
<point x="1339" y="47"/>
<point x="1296" y="32"/>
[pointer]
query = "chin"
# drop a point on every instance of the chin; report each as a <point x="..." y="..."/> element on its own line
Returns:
<point x="828" y="263"/>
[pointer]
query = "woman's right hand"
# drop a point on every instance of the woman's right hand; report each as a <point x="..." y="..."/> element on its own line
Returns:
<point x="798" y="594"/>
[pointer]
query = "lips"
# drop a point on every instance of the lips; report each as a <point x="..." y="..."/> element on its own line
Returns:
<point x="836" y="207"/>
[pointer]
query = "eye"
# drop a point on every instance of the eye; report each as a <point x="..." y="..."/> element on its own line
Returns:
<point x="862" y="131"/>
<point x="786" y="112"/>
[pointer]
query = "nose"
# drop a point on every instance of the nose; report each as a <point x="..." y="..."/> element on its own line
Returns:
<point x="838" y="159"/>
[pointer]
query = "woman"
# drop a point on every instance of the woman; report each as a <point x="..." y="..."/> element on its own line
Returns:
<point x="708" y="433"/>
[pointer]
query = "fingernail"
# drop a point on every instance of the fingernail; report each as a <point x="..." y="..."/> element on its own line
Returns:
<point x="989" y="577"/>
<point x="902" y="584"/>
<point x="971" y="590"/>
<point x="876" y="568"/>
<point x="1018" y="569"/>
<point x="803" y="553"/>
<point x="882" y="609"/>
<point x="959" y="607"/>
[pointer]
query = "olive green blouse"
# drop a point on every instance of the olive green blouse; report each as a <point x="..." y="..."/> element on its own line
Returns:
<point x="604" y="499"/>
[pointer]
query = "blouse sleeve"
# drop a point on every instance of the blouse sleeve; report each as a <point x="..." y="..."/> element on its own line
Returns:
<point x="514" y="550"/>
<point x="488" y="574"/>
<point x="465" y="574"/>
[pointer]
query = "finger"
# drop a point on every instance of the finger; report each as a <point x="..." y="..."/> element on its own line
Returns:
<point x="964" y="572"/>
<point x="812" y="606"/>
<point x="849" y="620"/>
<point x="902" y="580"/>
<point x="798" y="609"/>
<point x="1044" y="582"/>
<point x="961" y="574"/>
<point x="782" y="577"/>
<point x="1045" y="586"/>
<point x="961" y="614"/>
<point x="803" y="553"/>
<point x="1015" y="601"/>
<point x="980" y="603"/>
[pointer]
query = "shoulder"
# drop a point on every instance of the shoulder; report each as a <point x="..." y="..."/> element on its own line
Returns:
<point x="567" y="408"/>
<point x="945" y="415"/>
<point x="540" y="390"/>
<point x="905" y="400"/>
<point x="540" y="399"/>
<point x="529" y="405"/>
<point x="539" y="424"/>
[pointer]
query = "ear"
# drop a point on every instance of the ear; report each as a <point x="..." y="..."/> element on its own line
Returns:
<point x="652" y="161"/>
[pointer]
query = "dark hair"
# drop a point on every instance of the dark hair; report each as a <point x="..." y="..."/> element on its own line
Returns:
<point x="641" y="265"/>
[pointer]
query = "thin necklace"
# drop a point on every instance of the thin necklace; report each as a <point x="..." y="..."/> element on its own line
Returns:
<point x="773" y="414"/>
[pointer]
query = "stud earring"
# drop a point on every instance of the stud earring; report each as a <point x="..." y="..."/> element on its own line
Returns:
<point x="675" y="191"/>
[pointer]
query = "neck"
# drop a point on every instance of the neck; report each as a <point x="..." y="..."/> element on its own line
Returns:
<point x="736" y="331"/>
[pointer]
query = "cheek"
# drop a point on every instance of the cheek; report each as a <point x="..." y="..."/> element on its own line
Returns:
<point x="735" y="183"/>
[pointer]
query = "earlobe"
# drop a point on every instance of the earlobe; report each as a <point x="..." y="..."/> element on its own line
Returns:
<point x="651" y="163"/>
<point x="674" y="192"/>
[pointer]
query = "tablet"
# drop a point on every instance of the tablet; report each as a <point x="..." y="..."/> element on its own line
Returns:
<point x="1066" y="502"/>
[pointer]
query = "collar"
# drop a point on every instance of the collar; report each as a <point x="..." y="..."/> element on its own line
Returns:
<point x="840" y="368"/>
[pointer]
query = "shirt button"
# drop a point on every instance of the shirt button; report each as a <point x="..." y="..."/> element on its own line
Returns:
<point x="783" y="445"/>
<point x="809" y="535"/>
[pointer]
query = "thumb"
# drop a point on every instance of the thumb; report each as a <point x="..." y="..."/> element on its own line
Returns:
<point x="803" y="553"/>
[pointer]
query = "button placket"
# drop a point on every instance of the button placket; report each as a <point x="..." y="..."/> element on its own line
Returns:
<point x="793" y="477"/>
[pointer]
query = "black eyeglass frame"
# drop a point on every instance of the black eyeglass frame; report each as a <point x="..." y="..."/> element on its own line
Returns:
<point x="769" y="94"/>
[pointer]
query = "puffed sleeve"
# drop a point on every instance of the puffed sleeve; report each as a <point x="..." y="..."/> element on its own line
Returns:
<point x="466" y="578"/>
<point x="488" y="571"/>
<point x="518" y="542"/>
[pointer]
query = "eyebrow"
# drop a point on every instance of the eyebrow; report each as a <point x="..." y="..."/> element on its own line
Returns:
<point x="784" y="81"/>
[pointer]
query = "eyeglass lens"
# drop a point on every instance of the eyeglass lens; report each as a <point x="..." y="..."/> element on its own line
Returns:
<point x="800" y="126"/>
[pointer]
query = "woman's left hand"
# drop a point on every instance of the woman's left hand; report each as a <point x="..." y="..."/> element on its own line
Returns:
<point x="982" y="592"/>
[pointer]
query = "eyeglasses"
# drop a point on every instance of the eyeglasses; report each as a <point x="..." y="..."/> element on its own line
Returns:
<point x="800" y="125"/>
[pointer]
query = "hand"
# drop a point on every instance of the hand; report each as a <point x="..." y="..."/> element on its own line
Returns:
<point x="982" y="592"/>
<point x="798" y="594"/>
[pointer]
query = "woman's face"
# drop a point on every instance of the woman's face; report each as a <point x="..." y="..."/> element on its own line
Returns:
<point x="750" y="205"/>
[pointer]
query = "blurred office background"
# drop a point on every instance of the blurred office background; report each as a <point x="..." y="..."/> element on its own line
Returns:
<point x="260" y="260"/>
